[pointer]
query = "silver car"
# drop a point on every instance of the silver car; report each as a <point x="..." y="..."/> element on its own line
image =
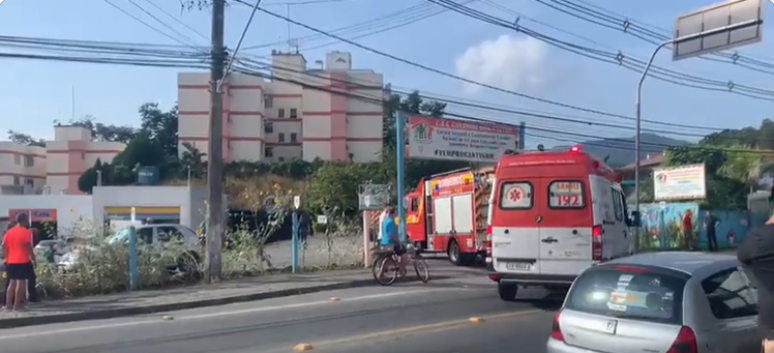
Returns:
<point x="671" y="302"/>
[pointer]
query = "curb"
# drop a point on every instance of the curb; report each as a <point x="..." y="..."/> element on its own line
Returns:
<point x="150" y="309"/>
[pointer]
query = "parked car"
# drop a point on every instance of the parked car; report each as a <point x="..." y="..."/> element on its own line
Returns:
<point x="154" y="235"/>
<point x="674" y="302"/>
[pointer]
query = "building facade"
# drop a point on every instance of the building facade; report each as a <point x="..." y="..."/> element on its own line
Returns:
<point x="331" y="113"/>
<point x="56" y="167"/>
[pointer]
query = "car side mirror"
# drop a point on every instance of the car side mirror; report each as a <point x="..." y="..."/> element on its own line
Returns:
<point x="634" y="219"/>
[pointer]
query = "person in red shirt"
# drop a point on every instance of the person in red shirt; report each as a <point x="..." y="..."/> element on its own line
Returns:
<point x="688" y="230"/>
<point x="19" y="261"/>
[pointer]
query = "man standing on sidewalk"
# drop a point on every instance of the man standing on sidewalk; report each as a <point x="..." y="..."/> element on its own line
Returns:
<point x="710" y="225"/>
<point x="19" y="260"/>
<point x="757" y="254"/>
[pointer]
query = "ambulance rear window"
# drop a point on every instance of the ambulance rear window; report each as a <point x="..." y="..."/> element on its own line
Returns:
<point x="565" y="194"/>
<point x="515" y="195"/>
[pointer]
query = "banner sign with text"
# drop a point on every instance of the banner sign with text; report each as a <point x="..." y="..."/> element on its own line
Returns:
<point x="458" y="140"/>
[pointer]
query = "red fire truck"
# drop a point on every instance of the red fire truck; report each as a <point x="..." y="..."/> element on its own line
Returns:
<point x="448" y="213"/>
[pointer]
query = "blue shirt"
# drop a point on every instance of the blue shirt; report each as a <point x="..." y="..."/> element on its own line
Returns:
<point x="388" y="230"/>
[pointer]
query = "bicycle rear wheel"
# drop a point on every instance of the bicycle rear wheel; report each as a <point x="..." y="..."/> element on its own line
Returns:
<point x="385" y="270"/>
<point x="420" y="266"/>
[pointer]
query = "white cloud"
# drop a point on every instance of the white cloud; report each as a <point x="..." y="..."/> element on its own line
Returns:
<point x="506" y="62"/>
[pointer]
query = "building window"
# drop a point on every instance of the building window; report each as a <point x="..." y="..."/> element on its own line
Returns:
<point x="268" y="102"/>
<point x="281" y="112"/>
<point x="16" y="159"/>
<point x="268" y="152"/>
<point x="29" y="182"/>
<point x="281" y="137"/>
<point x="293" y="137"/>
<point x="29" y="161"/>
<point x="293" y="113"/>
<point x="268" y="128"/>
<point x="16" y="180"/>
<point x="280" y="159"/>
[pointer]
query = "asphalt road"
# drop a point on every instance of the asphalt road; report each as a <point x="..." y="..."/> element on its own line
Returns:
<point x="407" y="317"/>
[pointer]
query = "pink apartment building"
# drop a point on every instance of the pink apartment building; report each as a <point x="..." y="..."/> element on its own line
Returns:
<point x="55" y="168"/>
<point x="288" y="118"/>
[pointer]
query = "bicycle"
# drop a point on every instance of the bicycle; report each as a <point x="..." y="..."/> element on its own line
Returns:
<point x="385" y="267"/>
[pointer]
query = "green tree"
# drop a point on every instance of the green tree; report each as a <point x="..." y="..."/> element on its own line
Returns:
<point x="333" y="187"/>
<point x="161" y="127"/>
<point x="105" y="132"/>
<point x="193" y="161"/>
<point x="90" y="178"/>
<point x="722" y="192"/>
<point x="24" y="139"/>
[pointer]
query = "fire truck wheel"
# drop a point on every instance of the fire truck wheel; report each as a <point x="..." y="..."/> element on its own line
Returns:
<point x="507" y="291"/>
<point x="453" y="251"/>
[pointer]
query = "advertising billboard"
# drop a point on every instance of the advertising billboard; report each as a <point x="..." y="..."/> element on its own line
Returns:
<point x="458" y="140"/>
<point x="679" y="183"/>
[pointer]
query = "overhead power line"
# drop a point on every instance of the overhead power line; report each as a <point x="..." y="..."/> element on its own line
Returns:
<point x="249" y="70"/>
<point x="370" y="27"/>
<point x="466" y="80"/>
<point x="558" y="118"/>
<point x="618" y="59"/>
<point x="174" y="18"/>
<point x="603" y="17"/>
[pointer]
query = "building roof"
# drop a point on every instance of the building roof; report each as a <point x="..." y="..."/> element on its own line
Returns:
<point x="653" y="161"/>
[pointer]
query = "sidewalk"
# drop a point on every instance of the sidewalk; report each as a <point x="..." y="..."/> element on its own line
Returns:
<point x="153" y="301"/>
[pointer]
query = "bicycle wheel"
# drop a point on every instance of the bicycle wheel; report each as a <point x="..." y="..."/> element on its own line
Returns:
<point x="420" y="266"/>
<point x="385" y="270"/>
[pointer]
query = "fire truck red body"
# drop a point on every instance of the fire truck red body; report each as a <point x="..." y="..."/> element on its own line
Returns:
<point x="448" y="213"/>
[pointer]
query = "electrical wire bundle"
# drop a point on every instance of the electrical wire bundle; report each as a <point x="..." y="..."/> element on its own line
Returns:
<point x="648" y="33"/>
<point x="135" y="54"/>
<point x="615" y="58"/>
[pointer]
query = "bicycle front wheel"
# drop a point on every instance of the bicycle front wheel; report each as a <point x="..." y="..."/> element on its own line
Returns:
<point x="385" y="270"/>
<point x="420" y="266"/>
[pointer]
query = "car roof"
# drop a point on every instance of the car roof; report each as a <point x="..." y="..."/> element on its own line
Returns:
<point x="690" y="262"/>
<point x="161" y="225"/>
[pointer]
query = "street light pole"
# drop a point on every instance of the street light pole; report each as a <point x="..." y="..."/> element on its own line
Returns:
<point x="638" y="99"/>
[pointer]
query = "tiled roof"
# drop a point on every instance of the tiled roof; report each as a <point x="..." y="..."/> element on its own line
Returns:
<point x="648" y="162"/>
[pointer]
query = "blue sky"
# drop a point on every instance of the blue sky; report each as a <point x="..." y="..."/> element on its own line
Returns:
<point x="35" y="92"/>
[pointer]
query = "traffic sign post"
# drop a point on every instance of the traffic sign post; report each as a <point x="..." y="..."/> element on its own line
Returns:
<point x="294" y="241"/>
<point x="721" y="26"/>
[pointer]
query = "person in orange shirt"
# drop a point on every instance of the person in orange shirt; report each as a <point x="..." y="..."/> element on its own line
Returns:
<point x="19" y="260"/>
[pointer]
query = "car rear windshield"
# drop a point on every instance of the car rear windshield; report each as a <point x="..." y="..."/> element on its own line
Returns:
<point x="638" y="293"/>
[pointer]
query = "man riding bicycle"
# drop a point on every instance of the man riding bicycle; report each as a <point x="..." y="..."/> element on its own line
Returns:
<point x="390" y="238"/>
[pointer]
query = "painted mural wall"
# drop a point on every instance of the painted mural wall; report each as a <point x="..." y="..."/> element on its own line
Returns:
<point x="662" y="227"/>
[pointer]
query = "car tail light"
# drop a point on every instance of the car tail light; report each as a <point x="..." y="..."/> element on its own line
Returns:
<point x="596" y="243"/>
<point x="488" y="240"/>
<point x="685" y="342"/>
<point x="556" y="330"/>
<point x="627" y="268"/>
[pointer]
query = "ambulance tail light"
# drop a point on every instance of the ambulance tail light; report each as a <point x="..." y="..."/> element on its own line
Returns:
<point x="488" y="241"/>
<point x="596" y="243"/>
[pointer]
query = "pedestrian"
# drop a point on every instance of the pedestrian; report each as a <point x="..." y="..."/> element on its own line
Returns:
<point x="19" y="259"/>
<point x="688" y="230"/>
<point x="385" y="213"/>
<point x="303" y="226"/>
<point x="756" y="253"/>
<point x="710" y="226"/>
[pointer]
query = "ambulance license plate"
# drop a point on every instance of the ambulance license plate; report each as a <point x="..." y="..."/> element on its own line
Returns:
<point x="518" y="266"/>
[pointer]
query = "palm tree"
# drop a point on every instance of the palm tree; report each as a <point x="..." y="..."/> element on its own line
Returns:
<point x="193" y="160"/>
<point x="746" y="164"/>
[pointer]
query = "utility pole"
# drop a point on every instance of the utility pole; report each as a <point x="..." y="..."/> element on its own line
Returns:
<point x="215" y="148"/>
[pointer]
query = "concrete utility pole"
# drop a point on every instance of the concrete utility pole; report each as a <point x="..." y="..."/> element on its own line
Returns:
<point x="215" y="208"/>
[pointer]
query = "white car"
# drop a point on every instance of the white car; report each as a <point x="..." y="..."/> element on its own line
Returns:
<point x="152" y="235"/>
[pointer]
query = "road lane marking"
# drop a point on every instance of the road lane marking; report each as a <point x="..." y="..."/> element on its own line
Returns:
<point x="435" y="327"/>
<point x="215" y="314"/>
